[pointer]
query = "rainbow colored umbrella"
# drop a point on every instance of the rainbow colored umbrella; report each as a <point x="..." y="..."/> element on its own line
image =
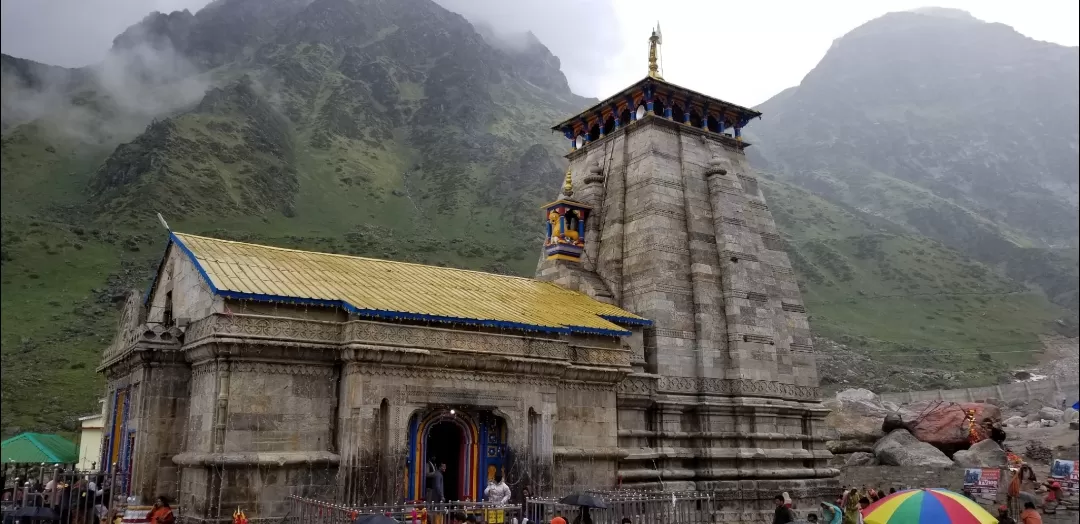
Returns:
<point x="926" y="506"/>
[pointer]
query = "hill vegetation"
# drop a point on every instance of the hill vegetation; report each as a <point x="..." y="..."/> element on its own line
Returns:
<point x="398" y="130"/>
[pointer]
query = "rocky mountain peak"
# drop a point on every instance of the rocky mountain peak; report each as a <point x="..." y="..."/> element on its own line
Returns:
<point x="158" y="30"/>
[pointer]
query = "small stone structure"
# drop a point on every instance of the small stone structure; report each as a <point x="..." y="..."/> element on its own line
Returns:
<point x="664" y="344"/>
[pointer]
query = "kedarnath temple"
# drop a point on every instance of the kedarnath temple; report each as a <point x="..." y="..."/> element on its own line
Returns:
<point x="663" y="344"/>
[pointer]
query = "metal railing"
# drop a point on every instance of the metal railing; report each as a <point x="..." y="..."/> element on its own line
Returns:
<point x="640" y="507"/>
<point x="303" y="510"/>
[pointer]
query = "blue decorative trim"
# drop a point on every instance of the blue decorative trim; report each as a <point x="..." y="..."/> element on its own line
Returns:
<point x="627" y="320"/>
<point x="384" y="314"/>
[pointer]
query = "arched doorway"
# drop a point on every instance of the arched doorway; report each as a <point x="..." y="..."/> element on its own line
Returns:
<point x="444" y="446"/>
<point x="471" y="442"/>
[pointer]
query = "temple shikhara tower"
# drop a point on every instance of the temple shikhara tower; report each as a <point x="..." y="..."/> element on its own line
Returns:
<point x="725" y="386"/>
<point x="662" y="345"/>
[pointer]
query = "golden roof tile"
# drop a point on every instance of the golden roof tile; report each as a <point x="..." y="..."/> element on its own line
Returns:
<point x="398" y="290"/>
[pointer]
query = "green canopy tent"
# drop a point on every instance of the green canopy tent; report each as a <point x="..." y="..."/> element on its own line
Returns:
<point x="36" y="448"/>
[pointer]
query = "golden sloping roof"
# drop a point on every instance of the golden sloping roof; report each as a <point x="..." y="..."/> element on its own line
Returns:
<point x="398" y="290"/>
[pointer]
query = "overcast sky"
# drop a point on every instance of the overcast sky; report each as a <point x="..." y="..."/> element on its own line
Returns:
<point x="743" y="52"/>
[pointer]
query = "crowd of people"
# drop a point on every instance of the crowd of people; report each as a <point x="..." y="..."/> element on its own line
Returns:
<point x="85" y="499"/>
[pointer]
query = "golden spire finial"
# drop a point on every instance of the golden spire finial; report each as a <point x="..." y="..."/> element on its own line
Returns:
<point x="654" y="41"/>
<point x="568" y="185"/>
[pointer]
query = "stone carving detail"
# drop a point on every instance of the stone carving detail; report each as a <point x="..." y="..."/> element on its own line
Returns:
<point x="442" y="339"/>
<point x="757" y="339"/>
<point x="733" y="221"/>
<point x="718" y="386"/>
<point x="675" y="333"/>
<point x="756" y="204"/>
<point x="795" y="346"/>
<point x="429" y="373"/>
<point x="794" y="308"/>
<point x="205" y="368"/>
<point x="636" y="386"/>
<point x="756" y="297"/>
<point x="270" y="368"/>
<point x="601" y="356"/>
<point x="251" y="326"/>
<point x="427" y="395"/>
<point x="728" y="254"/>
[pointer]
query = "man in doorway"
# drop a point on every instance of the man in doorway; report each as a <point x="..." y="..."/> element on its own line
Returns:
<point x="498" y="492"/>
<point x="436" y="485"/>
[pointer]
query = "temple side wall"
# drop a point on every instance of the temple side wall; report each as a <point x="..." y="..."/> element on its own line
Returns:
<point x="585" y="439"/>
<point x="259" y="430"/>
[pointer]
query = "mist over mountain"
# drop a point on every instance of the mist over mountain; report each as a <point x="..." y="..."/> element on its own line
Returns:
<point x="924" y="175"/>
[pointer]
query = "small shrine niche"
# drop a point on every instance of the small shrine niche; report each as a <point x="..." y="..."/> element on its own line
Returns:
<point x="565" y="239"/>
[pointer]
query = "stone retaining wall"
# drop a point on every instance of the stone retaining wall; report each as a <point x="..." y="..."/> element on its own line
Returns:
<point x="1040" y="389"/>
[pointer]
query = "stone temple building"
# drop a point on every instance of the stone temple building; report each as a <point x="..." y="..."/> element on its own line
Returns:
<point x="662" y="345"/>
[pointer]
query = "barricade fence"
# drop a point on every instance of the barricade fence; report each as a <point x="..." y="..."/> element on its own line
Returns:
<point x="640" y="507"/>
<point x="41" y="494"/>
<point x="303" y="510"/>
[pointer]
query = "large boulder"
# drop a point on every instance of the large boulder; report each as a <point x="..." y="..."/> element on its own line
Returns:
<point x="860" y="402"/>
<point x="1015" y="421"/>
<point x="861" y="458"/>
<point x="893" y="421"/>
<point x="1070" y="415"/>
<point x="985" y="454"/>
<point x="840" y="447"/>
<point x="856" y="415"/>
<point x="1048" y="413"/>
<point x="944" y="424"/>
<point x="852" y="426"/>
<point x="901" y="448"/>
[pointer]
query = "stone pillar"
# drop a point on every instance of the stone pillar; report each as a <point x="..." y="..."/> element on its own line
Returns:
<point x="162" y="413"/>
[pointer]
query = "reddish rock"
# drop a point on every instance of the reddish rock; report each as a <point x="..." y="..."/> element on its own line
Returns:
<point x="944" y="424"/>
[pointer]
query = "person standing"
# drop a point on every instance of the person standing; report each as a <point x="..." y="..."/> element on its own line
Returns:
<point x="498" y="492"/>
<point x="783" y="514"/>
<point x="437" y="484"/>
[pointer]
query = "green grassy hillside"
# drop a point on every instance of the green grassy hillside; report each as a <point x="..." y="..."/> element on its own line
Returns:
<point x="905" y="299"/>
<point x="395" y="130"/>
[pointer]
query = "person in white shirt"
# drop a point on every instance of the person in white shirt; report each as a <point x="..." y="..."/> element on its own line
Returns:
<point x="497" y="492"/>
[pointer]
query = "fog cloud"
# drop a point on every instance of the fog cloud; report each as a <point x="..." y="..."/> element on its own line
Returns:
<point x="109" y="101"/>
<point x="584" y="34"/>
<point x="74" y="33"/>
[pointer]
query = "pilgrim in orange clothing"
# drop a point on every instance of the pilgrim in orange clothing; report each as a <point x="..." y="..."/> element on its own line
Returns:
<point x="161" y="513"/>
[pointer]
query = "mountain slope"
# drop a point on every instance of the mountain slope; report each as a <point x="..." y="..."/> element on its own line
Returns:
<point x="396" y="129"/>
<point x="953" y="128"/>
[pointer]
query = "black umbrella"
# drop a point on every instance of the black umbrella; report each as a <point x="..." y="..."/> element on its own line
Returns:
<point x="35" y="513"/>
<point x="374" y="519"/>
<point x="586" y="500"/>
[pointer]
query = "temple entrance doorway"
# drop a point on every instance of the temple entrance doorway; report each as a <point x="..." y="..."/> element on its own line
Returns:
<point x="445" y="447"/>
<point x="471" y="441"/>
